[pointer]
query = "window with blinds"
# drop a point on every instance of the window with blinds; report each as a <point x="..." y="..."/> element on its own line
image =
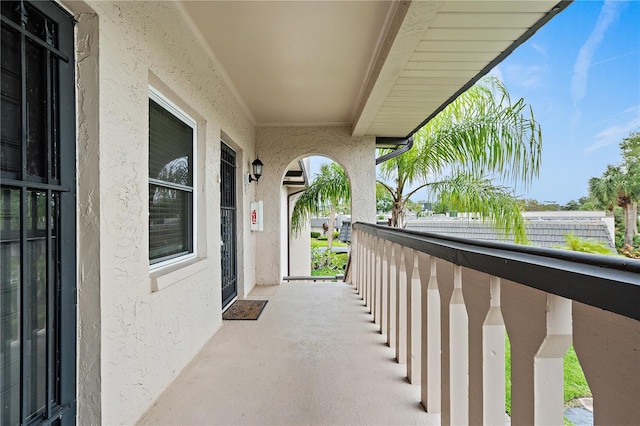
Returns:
<point x="171" y="181"/>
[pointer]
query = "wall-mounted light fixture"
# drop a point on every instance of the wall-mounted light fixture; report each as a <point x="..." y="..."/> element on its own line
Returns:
<point x="256" y="167"/>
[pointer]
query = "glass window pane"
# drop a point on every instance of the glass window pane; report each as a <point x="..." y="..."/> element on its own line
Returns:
<point x="9" y="307"/>
<point x="35" y="290"/>
<point x="169" y="222"/>
<point x="170" y="147"/>
<point x="36" y="214"/>
<point x="11" y="9"/>
<point x="35" y="338"/>
<point x="10" y="154"/>
<point x="55" y="117"/>
<point x="54" y="265"/>
<point x="35" y="22"/>
<point x="36" y="111"/>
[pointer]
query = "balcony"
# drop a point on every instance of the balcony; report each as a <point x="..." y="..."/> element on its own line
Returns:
<point x="423" y="327"/>
<point x="313" y="357"/>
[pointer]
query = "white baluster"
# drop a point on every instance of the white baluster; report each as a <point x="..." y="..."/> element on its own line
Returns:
<point x="360" y="262"/>
<point x="355" y="251"/>
<point x="458" y="353"/>
<point x="414" y="299"/>
<point x="608" y="346"/>
<point x="401" y="310"/>
<point x="383" y="288"/>
<point x="431" y="341"/>
<point x="493" y="360"/>
<point x="372" y="281"/>
<point x="378" y="281"/>
<point x="548" y="364"/>
<point x="391" y="302"/>
<point x="365" y="269"/>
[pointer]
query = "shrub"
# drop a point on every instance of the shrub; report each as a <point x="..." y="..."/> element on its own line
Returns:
<point x="630" y="252"/>
<point x="575" y="243"/>
<point x="315" y="234"/>
<point x="336" y="234"/>
<point x="327" y="260"/>
<point x="322" y="238"/>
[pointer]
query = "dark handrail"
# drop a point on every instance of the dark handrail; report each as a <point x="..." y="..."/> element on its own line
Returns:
<point x="609" y="283"/>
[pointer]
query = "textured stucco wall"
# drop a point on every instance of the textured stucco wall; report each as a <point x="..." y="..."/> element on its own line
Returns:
<point x="278" y="147"/>
<point x="88" y="190"/>
<point x="283" y="215"/>
<point x="133" y="341"/>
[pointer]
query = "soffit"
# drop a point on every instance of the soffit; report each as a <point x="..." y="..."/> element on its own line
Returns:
<point x="380" y="67"/>
<point x="440" y="49"/>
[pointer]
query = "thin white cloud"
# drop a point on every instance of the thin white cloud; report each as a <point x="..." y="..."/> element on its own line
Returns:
<point x="614" y="134"/>
<point x="527" y="76"/>
<point x="608" y="15"/>
<point x="633" y="110"/>
<point x="540" y="49"/>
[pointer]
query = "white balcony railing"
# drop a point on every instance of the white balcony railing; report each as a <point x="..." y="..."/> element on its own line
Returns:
<point x="445" y="304"/>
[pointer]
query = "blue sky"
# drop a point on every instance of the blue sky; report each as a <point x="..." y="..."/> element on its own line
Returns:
<point x="581" y="74"/>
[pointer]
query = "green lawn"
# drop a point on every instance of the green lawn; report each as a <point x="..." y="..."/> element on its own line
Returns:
<point x="575" y="384"/>
<point x="323" y="243"/>
<point x="326" y="271"/>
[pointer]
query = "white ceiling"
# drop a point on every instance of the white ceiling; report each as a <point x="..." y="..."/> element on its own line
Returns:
<point x="380" y="67"/>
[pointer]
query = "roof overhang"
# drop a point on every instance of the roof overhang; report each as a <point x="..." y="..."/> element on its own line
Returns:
<point x="297" y="174"/>
<point x="381" y="67"/>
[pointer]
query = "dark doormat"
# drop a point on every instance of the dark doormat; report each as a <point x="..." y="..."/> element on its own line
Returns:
<point x="245" y="310"/>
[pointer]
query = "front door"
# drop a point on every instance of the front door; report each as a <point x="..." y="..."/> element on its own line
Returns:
<point x="228" y="228"/>
<point x="37" y="216"/>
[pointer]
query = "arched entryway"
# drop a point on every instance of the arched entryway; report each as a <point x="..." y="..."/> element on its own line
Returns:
<point x="309" y="229"/>
<point x="278" y="148"/>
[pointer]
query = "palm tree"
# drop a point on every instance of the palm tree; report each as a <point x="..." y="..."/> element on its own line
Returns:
<point x="620" y="186"/>
<point x="630" y="147"/>
<point x="479" y="137"/>
<point x="604" y="188"/>
<point x="330" y="187"/>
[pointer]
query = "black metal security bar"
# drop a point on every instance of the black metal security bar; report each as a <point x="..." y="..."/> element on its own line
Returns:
<point x="228" y="252"/>
<point x="609" y="283"/>
<point x="37" y="216"/>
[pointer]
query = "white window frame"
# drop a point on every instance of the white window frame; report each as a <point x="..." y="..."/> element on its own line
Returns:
<point x="179" y="113"/>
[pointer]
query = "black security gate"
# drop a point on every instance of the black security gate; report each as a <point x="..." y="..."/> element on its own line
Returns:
<point x="228" y="224"/>
<point x="37" y="216"/>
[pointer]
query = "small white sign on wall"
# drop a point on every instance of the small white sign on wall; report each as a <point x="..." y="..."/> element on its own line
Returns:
<point x="256" y="216"/>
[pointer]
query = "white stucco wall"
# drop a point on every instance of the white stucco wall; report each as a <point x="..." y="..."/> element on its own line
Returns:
<point x="283" y="235"/>
<point x="133" y="341"/>
<point x="278" y="147"/>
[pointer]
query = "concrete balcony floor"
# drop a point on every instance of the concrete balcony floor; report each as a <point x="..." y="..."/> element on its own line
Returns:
<point x="313" y="357"/>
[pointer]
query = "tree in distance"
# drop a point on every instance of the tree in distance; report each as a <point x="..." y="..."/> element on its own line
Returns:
<point x="619" y="186"/>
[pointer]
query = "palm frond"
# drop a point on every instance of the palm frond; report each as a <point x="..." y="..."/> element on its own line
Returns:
<point x="482" y="132"/>
<point x="330" y="187"/>
<point x="495" y="203"/>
